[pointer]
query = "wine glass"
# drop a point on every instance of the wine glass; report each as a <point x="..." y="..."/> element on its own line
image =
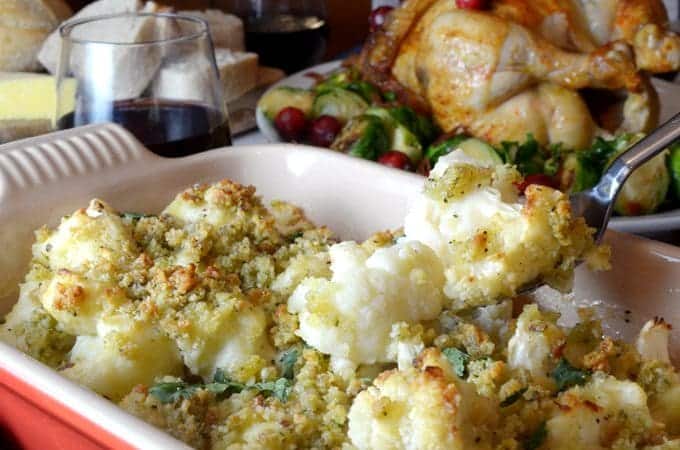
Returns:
<point x="288" y="34"/>
<point x="154" y="74"/>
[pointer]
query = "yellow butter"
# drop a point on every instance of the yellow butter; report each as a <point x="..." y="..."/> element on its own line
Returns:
<point x="30" y="96"/>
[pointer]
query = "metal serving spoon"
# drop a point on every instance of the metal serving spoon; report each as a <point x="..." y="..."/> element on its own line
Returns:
<point x="596" y="204"/>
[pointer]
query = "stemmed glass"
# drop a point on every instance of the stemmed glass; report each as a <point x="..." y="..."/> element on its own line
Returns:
<point x="154" y="74"/>
<point x="288" y="34"/>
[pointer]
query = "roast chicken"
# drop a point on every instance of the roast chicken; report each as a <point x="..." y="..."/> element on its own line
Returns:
<point x="522" y="66"/>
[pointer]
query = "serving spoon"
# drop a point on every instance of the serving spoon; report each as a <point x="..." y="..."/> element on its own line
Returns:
<point x="595" y="205"/>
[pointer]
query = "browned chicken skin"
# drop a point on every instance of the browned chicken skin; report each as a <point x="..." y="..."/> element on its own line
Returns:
<point x="516" y="68"/>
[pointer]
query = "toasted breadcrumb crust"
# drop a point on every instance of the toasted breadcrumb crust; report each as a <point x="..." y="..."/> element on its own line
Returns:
<point x="124" y="302"/>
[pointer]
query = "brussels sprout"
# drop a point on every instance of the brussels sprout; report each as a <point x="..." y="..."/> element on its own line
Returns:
<point x="480" y="151"/>
<point x="406" y="142"/>
<point x="424" y="129"/>
<point x="402" y="139"/>
<point x="339" y="79"/>
<point x="366" y="90"/>
<point x="646" y="188"/>
<point x="576" y="176"/>
<point x="674" y="168"/>
<point x="528" y="156"/>
<point x="583" y="170"/>
<point x="436" y="151"/>
<point x="364" y="136"/>
<point x="339" y="103"/>
<point x="275" y="100"/>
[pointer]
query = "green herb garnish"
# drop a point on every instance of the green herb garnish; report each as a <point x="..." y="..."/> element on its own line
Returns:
<point x="512" y="398"/>
<point x="134" y="216"/>
<point x="537" y="438"/>
<point x="221" y="385"/>
<point x="566" y="375"/>
<point x="287" y="361"/>
<point x="458" y="359"/>
<point x="172" y="392"/>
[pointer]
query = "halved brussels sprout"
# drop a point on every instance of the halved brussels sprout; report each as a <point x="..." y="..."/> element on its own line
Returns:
<point x="339" y="103"/>
<point x="674" y="169"/>
<point x="646" y="188"/>
<point x="402" y="139"/>
<point x="282" y="97"/>
<point x="364" y="136"/>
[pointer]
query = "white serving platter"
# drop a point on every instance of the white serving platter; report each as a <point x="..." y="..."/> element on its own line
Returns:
<point x="669" y="94"/>
<point x="44" y="178"/>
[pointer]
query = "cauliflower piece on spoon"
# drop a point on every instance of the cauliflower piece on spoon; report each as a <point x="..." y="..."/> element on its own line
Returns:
<point x="490" y="241"/>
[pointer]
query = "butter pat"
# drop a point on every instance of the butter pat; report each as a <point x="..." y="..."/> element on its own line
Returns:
<point x="28" y="96"/>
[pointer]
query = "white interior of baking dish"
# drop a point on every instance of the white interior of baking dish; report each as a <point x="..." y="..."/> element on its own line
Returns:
<point x="45" y="178"/>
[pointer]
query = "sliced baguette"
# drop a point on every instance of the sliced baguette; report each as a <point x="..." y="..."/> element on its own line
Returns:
<point x="24" y="25"/>
<point x="51" y="48"/>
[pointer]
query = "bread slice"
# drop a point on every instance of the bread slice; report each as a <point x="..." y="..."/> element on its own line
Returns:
<point x="24" y="24"/>
<point x="126" y="71"/>
<point x="238" y="72"/>
<point x="50" y="52"/>
<point x="226" y="30"/>
<point x="190" y="80"/>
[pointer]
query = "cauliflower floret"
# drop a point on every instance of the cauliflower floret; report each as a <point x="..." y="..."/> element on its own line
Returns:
<point x="93" y="240"/>
<point x="125" y="353"/>
<point x="228" y="220"/>
<point x="300" y="267"/>
<point x="31" y="329"/>
<point x="421" y="408"/>
<point x="652" y="343"/>
<point x="78" y="304"/>
<point x="225" y="334"/>
<point x="490" y="243"/>
<point x="350" y="316"/>
<point x="604" y="413"/>
<point x="531" y="346"/>
<point x="666" y="409"/>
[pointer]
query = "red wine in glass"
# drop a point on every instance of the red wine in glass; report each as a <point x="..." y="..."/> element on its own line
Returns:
<point x="166" y="127"/>
<point x="287" y="41"/>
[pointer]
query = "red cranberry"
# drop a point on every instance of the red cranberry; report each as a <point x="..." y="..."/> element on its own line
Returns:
<point x="538" y="178"/>
<point x="378" y="17"/>
<point x="471" y="4"/>
<point x="395" y="159"/>
<point x="323" y="130"/>
<point x="291" y="124"/>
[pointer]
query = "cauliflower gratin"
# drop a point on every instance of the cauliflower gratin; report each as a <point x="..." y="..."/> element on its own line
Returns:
<point x="233" y="325"/>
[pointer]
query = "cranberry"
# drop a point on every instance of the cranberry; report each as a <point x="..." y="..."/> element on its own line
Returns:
<point x="538" y="178"/>
<point x="471" y="4"/>
<point x="291" y="124"/>
<point x="395" y="159"/>
<point x="323" y="130"/>
<point x="378" y="18"/>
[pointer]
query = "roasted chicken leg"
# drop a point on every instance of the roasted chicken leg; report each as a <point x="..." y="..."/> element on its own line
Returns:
<point x="517" y="67"/>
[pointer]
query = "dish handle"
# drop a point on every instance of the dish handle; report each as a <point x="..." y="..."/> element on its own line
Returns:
<point x="51" y="158"/>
